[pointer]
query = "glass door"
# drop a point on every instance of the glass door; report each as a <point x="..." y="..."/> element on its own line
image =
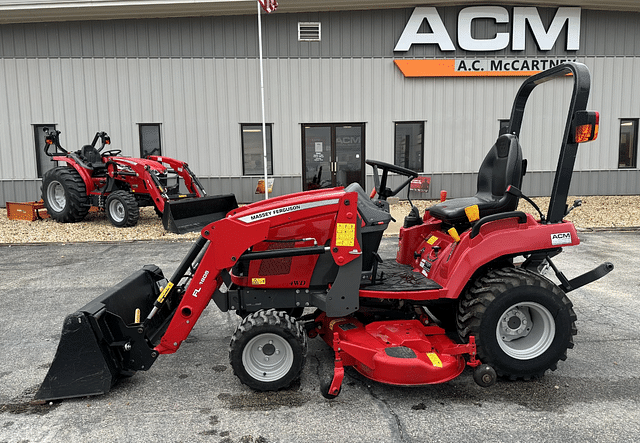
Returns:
<point x="349" y="154"/>
<point x="317" y="157"/>
<point x="333" y="155"/>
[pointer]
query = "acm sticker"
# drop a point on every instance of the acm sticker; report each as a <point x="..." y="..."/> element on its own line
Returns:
<point x="561" y="238"/>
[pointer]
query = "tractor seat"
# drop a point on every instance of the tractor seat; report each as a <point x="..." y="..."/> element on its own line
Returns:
<point x="502" y="166"/>
<point x="376" y="219"/>
<point x="92" y="157"/>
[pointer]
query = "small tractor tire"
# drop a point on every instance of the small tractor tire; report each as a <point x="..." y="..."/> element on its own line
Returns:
<point x="522" y="322"/>
<point x="64" y="194"/>
<point x="122" y="209"/>
<point x="268" y="350"/>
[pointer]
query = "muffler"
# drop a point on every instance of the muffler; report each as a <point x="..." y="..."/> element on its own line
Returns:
<point x="106" y="340"/>
<point x="193" y="214"/>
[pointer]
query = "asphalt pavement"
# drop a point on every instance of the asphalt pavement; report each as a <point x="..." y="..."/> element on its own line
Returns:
<point x="193" y="396"/>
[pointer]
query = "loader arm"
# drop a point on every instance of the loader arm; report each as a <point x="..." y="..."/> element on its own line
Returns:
<point x="228" y="239"/>
<point x="181" y="168"/>
<point x="144" y="179"/>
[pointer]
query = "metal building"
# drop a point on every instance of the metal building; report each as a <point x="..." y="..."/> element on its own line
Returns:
<point x="427" y="86"/>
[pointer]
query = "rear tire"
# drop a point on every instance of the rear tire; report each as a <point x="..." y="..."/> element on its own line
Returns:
<point x="268" y="350"/>
<point x="65" y="195"/>
<point x="122" y="209"/>
<point x="522" y="322"/>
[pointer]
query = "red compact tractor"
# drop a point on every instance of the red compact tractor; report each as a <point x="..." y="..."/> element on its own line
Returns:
<point x="465" y="289"/>
<point x="121" y="185"/>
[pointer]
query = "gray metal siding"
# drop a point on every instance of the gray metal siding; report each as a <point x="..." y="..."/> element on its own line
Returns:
<point x="198" y="78"/>
<point x="535" y="184"/>
<point x="344" y="34"/>
<point x="200" y="103"/>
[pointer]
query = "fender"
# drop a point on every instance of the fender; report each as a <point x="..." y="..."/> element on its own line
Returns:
<point x="497" y="239"/>
<point x="84" y="174"/>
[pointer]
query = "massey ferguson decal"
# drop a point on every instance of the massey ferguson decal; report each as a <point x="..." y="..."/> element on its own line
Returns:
<point x="285" y="209"/>
<point x="562" y="238"/>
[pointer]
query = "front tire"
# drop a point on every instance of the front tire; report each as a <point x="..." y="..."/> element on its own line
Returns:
<point x="122" y="209"/>
<point x="268" y="350"/>
<point x="522" y="322"/>
<point x="65" y="195"/>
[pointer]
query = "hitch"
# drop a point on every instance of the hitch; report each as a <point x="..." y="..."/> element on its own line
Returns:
<point x="584" y="279"/>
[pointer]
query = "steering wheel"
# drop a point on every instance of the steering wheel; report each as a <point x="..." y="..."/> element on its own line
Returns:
<point x="381" y="183"/>
<point x="111" y="152"/>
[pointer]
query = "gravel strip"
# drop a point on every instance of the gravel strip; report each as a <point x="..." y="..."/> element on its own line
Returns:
<point x="96" y="227"/>
<point x="596" y="212"/>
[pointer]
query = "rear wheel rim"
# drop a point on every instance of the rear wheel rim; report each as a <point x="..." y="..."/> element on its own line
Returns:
<point x="267" y="357"/>
<point x="525" y="331"/>
<point x="56" y="196"/>
<point x="117" y="210"/>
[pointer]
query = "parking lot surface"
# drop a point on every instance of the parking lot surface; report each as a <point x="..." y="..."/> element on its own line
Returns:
<point x="193" y="395"/>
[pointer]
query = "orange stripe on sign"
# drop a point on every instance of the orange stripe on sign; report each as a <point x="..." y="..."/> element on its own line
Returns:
<point x="447" y="68"/>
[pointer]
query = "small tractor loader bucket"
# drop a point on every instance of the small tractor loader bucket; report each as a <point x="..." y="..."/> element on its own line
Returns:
<point x="105" y="339"/>
<point x="193" y="214"/>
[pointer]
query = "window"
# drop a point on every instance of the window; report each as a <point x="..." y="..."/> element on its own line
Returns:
<point x="149" y="139"/>
<point x="409" y="145"/>
<point x="308" y="32"/>
<point x="504" y="126"/>
<point x="43" y="161"/>
<point x="628" y="143"/>
<point x="252" y="153"/>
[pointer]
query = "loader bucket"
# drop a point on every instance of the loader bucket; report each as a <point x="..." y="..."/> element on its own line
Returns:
<point x="193" y="214"/>
<point x="101" y="342"/>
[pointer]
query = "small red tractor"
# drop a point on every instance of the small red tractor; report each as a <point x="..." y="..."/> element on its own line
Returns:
<point x="466" y="287"/>
<point x="121" y="185"/>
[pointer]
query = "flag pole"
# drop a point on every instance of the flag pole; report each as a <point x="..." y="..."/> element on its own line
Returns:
<point x="264" y="124"/>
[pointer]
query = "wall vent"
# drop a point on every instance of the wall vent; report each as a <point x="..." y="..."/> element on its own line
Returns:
<point x="308" y="32"/>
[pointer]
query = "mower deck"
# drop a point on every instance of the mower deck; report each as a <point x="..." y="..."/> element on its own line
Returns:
<point x="397" y="352"/>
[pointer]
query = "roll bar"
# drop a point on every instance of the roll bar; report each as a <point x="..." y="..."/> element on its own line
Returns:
<point x="569" y="148"/>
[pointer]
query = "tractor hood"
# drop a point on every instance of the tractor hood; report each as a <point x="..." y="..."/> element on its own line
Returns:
<point x="130" y="161"/>
<point x="290" y="204"/>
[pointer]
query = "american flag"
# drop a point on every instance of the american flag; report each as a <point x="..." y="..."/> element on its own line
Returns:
<point x="268" y="5"/>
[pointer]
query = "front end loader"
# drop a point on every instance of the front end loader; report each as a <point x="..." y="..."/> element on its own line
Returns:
<point x="466" y="288"/>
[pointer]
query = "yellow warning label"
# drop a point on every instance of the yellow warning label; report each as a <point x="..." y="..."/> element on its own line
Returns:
<point x="345" y="234"/>
<point x="432" y="239"/>
<point x="435" y="360"/>
<point x="164" y="292"/>
<point x="258" y="281"/>
<point x="473" y="213"/>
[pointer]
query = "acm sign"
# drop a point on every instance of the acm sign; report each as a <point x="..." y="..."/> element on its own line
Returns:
<point x="520" y="19"/>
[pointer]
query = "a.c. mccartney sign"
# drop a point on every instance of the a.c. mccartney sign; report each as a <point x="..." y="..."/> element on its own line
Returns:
<point x="522" y="18"/>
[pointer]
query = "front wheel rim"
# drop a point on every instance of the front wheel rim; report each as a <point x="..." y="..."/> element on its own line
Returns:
<point x="267" y="357"/>
<point x="56" y="197"/>
<point x="117" y="211"/>
<point x="525" y="330"/>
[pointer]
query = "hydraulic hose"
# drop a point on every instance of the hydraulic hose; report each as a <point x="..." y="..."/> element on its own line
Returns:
<point x="182" y="269"/>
